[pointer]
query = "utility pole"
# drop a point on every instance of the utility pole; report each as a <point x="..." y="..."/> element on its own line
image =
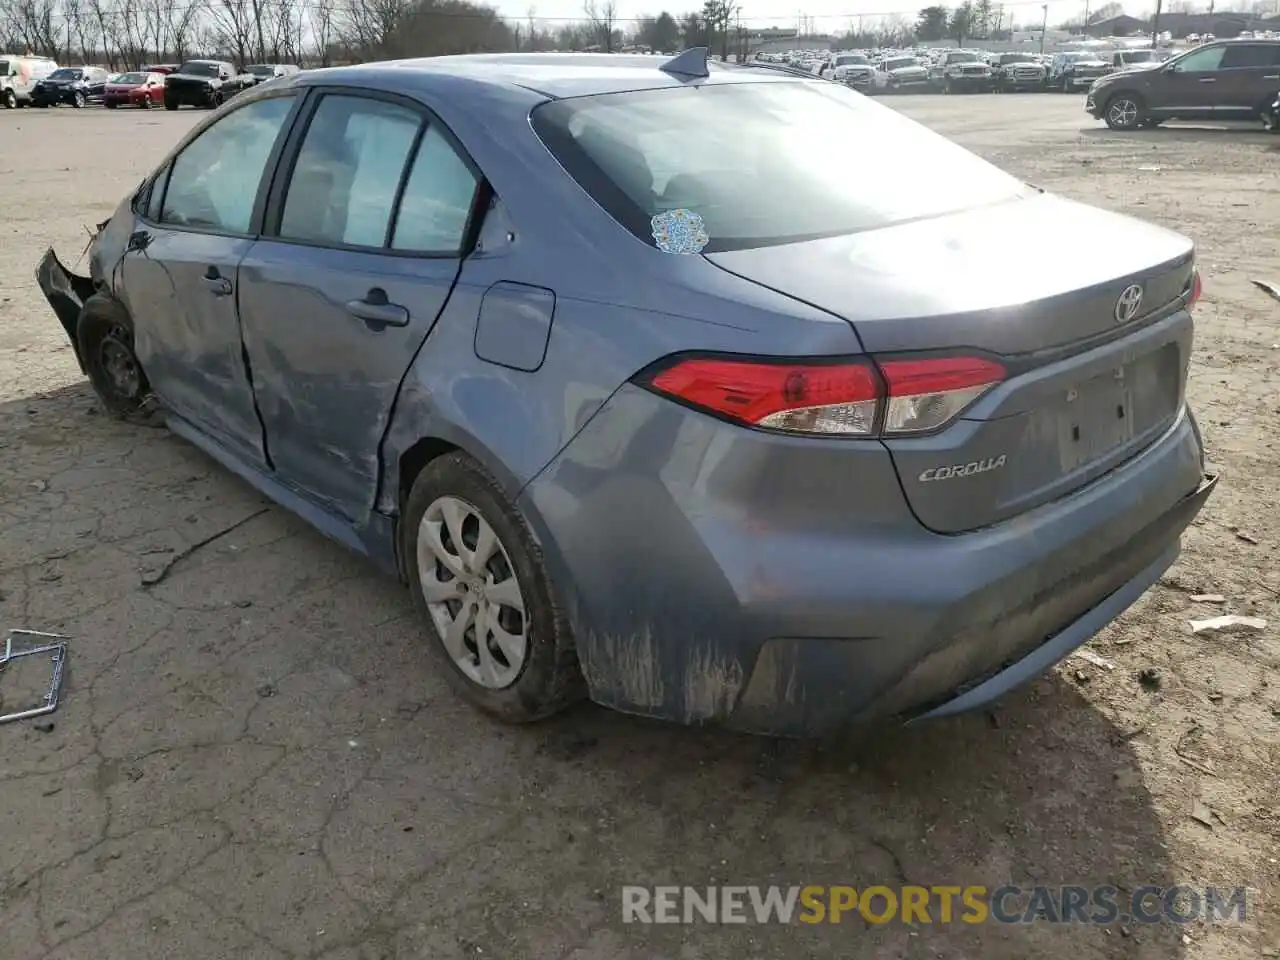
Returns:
<point x="1085" y="29"/>
<point x="1155" y="26"/>
<point x="1045" y="25"/>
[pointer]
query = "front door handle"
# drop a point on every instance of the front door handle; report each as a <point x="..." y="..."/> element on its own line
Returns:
<point x="377" y="311"/>
<point x="218" y="285"/>
<point x="1272" y="76"/>
<point x="1208" y="79"/>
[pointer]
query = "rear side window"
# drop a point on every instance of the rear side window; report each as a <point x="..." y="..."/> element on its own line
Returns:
<point x="1249" y="55"/>
<point x="344" y="182"/>
<point x="741" y="157"/>
<point x="437" y="199"/>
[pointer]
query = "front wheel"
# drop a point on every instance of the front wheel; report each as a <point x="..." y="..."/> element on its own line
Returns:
<point x="147" y="102"/>
<point x="1124" y="111"/>
<point x="78" y="100"/>
<point x="479" y="582"/>
<point x="10" y="100"/>
<point x="104" y="337"/>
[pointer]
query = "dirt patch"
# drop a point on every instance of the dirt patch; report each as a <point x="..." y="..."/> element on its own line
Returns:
<point x="254" y="759"/>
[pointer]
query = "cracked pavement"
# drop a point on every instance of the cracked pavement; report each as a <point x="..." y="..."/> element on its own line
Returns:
<point x="253" y="758"/>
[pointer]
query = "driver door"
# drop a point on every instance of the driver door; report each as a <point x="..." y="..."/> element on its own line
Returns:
<point x="1188" y="88"/>
<point x="199" y="219"/>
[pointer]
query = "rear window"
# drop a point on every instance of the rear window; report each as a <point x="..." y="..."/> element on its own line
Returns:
<point x="132" y="78"/>
<point x="741" y="157"/>
<point x="195" y="69"/>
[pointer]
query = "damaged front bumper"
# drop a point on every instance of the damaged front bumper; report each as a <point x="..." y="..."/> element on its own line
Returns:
<point x="66" y="293"/>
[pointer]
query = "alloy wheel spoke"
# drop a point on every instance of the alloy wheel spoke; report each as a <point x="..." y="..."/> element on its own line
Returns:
<point x="431" y="546"/>
<point x="455" y="636"/>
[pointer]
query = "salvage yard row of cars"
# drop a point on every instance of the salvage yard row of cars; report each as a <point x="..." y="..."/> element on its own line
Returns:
<point x="966" y="71"/>
<point x="40" y="82"/>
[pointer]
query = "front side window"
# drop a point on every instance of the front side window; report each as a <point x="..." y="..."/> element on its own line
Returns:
<point x="214" y="181"/>
<point x="740" y="156"/>
<point x="344" y="183"/>
<point x="1201" y="61"/>
<point x="437" y="200"/>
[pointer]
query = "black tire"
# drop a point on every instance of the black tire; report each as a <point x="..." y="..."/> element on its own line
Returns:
<point x="111" y="104"/>
<point x="550" y="678"/>
<point x="78" y="99"/>
<point x="147" y="102"/>
<point x="170" y="104"/>
<point x="104" y="337"/>
<point x="1124" y="111"/>
<point x="10" y="100"/>
<point x="215" y="100"/>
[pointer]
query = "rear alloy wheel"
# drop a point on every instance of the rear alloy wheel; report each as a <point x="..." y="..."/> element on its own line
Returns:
<point x="10" y="100"/>
<point x="1124" y="112"/>
<point x="104" y="336"/>
<point x="77" y="99"/>
<point x="478" y="579"/>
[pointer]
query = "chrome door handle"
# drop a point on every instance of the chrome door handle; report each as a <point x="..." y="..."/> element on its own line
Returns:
<point x="1272" y="76"/>
<point x="1208" y="79"/>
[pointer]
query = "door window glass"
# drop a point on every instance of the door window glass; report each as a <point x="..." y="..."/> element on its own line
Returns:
<point x="214" y="181"/>
<point x="1208" y="59"/>
<point x="344" y="183"/>
<point x="437" y="199"/>
<point x="1246" y="55"/>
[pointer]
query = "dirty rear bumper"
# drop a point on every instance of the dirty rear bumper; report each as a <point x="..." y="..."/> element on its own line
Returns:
<point x="66" y="293"/>
<point x="706" y="585"/>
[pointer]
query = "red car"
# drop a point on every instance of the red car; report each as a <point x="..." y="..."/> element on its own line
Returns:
<point x="135" y="89"/>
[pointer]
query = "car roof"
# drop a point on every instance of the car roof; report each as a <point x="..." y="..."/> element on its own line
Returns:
<point x="553" y="75"/>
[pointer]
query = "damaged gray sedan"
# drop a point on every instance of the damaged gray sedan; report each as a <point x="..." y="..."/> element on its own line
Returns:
<point x="649" y="402"/>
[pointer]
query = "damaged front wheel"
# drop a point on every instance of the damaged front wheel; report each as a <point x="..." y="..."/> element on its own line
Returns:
<point x="104" y="335"/>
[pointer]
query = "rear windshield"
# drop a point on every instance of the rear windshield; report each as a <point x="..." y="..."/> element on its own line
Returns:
<point x="901" y="62"/>
<point x="199" y="69"/>
<point x="132" y="78"/>
<point x="849" y="59"/>
<point x="741" y="156"/>
<point x="962" y="58"/>
<point x="1017" y="58"/>
<point x="261" y="70"/>
<point x="66" y="74"/>
<point x="1137" y="56"/>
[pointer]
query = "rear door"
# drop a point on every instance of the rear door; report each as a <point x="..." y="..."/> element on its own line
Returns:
<point x="200" y="219"/>
<point x="1248" y="79"/>
<point x="364" y="242"/>
<point x="1189" y="87"/>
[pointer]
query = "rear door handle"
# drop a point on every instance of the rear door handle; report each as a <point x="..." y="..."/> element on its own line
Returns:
<point x="377" y="311"/>
<point x="218" y="285"/>
<point x="1208" y="79"/>
<point x="1272" y="76"/>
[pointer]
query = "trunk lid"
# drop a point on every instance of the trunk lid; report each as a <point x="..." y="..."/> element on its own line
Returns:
<point x="1084" y="391"/>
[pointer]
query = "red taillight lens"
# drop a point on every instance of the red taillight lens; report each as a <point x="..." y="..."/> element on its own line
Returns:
<point x="925" y="394"/>
<point x="809" y="398"/>
<point x="847" y="399"/>
<point x="1196" y="288"/>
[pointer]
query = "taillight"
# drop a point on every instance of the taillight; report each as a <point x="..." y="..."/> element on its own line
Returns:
<point x="1196" y="288"/>
<point x="856" y="398"/>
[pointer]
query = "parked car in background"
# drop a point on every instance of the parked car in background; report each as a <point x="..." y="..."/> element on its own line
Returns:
<point x="1016" y="71"/>
<point x="161" y="68"/>
<point x="785" y="439"/>
<point x="1124" y="59"/>
<point x="18" y="76"/>
<point x="1075" y="70"/>
<point x="1271" y="115"/>
<point x="852" y="69"/>
<point x="137" y="89"/>
<point x="262" y="72"/>
<point x="1221" y="80"/>
<point x="70" y="85"/>
<point x="204" y="83"/>
<point x="962" y="71"/>
<point x="900" y="75"/>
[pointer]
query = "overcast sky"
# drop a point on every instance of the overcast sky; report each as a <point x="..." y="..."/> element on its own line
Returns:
<point x="826" y="15"/>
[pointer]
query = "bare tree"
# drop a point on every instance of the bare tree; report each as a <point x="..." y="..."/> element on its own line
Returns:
<point x="323" y="28"/>
<point x="603" y="16"/>
<point x="233" y="27"/>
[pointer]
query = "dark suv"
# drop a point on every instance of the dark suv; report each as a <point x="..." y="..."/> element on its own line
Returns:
<point x="1225" y="80"/>
<point x="204" y="83"/>
<point x="73" y="85"/>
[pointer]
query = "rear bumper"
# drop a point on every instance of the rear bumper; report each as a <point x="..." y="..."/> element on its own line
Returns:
<point x="705" y="587"/>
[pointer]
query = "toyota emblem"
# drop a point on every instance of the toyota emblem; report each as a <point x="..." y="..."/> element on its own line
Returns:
<point x="1129" y="303"/>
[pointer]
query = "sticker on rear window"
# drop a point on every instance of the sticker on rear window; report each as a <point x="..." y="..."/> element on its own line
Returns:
<point x="679" y="231"/>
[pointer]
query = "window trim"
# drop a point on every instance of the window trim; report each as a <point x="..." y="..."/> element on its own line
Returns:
<point x="428" y="118"/>
<point x="268" y="170"/>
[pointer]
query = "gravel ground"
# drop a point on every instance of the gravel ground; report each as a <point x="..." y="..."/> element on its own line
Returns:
<point x="253" y="759"/>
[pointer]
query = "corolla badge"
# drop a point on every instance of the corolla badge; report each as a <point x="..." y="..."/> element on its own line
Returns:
<point x="963" y="469"/>
<point x="679" y="231"/>
<point x="1129" y="303"/>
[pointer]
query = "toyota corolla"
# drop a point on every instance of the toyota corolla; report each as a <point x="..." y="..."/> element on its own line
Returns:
<point x="648" y="401"/>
